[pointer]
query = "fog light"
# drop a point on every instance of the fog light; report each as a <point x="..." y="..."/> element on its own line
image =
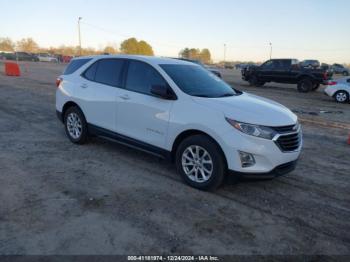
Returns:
<point x="247" y="159"/>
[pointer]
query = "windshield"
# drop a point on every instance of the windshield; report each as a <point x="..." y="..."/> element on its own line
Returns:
<point x="196" y="81"/>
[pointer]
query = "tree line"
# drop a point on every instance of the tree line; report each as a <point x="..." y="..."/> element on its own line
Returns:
<point x="203" y="55"/>
<point x="129" y="46"/>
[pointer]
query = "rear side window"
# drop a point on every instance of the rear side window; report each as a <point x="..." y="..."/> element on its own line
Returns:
<point x="74" y="65"/>
<point x="109" y="71"/>
<point x="141" y="77"/>
<point x="91" y="72"/>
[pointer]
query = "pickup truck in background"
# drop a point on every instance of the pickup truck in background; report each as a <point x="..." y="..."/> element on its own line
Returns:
<point x="288" y="71"/>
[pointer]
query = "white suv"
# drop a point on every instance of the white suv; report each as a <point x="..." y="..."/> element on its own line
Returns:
<point x="178" y="110"/>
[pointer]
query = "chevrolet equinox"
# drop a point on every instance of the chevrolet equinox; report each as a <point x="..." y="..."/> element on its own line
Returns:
<point x="178" y="110"/>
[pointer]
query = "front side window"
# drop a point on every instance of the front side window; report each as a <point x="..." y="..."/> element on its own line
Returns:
<point x="195" y="80"/>
<point x="141" y="77"/>
<point x="109" y="72"/>
<point x="268" y="65"/>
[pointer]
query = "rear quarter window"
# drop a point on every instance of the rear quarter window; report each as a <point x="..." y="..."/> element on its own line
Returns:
<point x="74" y="65"/>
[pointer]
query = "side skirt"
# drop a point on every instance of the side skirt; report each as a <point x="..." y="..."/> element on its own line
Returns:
<point x="130" y="142"/>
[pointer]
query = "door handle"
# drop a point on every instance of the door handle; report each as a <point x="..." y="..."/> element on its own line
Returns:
<point x="84" y="86"/>
<point x="125" y="97"/>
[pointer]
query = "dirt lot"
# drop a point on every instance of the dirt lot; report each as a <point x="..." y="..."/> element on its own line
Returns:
<point x="103" y="198"/>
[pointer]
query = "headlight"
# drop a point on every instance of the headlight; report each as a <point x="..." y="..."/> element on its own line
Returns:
<point x="253" y="130"/>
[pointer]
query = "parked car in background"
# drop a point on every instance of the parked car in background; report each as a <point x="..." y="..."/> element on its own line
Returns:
<point x="310" y="63"/>
<point x="238" y="66"/>
<point x="339" y="89"/>
<point x="286" y="71"/>
<point x="340" y="69"/>
<point x="211" y="69"/>
<point x="66" y="58"/>
<point x="7" y="56"/>
<point x="176" y="110"/>
<point x="24" y="56"/>
<point x="45" y="57"/>
<point x="244" y="66"/>
<point x="228" y="65"/>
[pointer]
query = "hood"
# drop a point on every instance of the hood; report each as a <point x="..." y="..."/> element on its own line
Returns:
<point x="251" y="109"/>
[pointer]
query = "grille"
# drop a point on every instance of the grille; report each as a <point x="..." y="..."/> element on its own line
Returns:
<point x="284" y="129"/>
<point x="288" y="143"/>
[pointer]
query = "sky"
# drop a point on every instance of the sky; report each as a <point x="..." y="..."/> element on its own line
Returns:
<point x="302" y="29"/>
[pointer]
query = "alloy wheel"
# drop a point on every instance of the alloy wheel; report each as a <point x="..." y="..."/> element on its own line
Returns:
<point x="74" y="125"/>
<point x="341" y="97"/>
<point x="197" y="164"/>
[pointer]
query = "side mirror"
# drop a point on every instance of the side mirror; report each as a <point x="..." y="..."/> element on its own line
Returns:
<point x="163" y="91"/>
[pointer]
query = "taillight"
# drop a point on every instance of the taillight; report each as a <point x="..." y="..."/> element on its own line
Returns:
<point x="58" y="81"/>
<point x="332" y="83"/>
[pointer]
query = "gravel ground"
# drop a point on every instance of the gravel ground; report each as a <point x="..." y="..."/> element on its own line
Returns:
<point x="103" y="198"/>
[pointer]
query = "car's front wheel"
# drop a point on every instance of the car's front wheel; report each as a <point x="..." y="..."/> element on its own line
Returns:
<point x="254" y="81"/>
<point x="200" y="162"/>
<point x="341" y="96"/>
<point x="75" y="125"/>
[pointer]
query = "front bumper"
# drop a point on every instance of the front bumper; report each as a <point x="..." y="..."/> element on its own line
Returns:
<point x="276" y="172"/>
<point x="270" y="160"/>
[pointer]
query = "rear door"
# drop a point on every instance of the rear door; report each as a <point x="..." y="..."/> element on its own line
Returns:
<point x="101" y="84"/>
<point x="141" y="115"/>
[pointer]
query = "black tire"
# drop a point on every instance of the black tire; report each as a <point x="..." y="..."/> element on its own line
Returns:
<point x="253" y="80"/>
<point x="260" y="84"/>
<point x="341" y="96"/>
<point x="305" y="85"/>
<point x="315" y="87"/>
<point x="218" y="166"/>
<point x="82" y="138"/>
<point x="345" y="73"/>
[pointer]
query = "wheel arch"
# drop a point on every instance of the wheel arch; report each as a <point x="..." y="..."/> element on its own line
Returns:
<point x="68" y="105"/>
<point x="305" y="76"/>
<point x="191" y="132"/>
<point x="341" y="90"/>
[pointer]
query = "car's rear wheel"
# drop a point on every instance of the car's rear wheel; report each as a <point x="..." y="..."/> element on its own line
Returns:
<point x="305" y="85"/>
<point x="200" y="162"/>
<point x="341" y="96"/>
<point x="75" y="125"/>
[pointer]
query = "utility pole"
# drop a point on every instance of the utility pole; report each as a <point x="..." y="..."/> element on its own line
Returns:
<point x="79" y="19"/>
<point x="270" y="50"/>
<point x="224" y="53"/>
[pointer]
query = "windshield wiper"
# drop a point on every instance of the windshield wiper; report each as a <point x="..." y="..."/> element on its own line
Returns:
<point x="200" y="95"/>
<point x="226" y="95"/>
